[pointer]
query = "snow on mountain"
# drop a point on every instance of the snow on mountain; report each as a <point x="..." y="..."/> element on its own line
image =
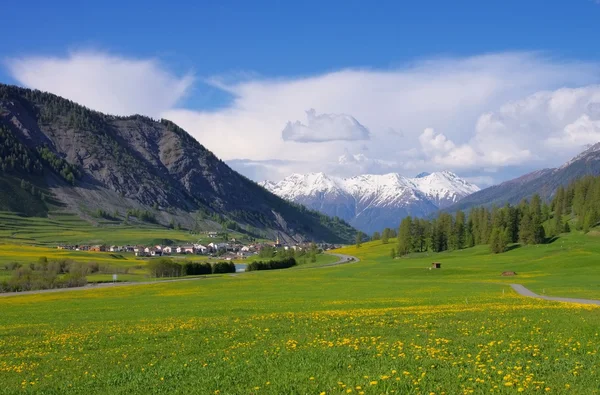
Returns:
<point x="444" y="188"/>
<point x="372" y="202"/>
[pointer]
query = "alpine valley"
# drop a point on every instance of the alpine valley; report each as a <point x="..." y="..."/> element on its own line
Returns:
<point x="373" y="202"/>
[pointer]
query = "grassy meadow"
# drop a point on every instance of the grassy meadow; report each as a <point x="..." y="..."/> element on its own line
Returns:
<point x="379" y="326"/>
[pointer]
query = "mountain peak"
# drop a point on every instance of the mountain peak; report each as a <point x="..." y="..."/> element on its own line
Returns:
<point x="374" y="201"/>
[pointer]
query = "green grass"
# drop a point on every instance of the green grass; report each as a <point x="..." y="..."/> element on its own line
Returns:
<point x="378" y="326"/>
<point x="67" y="228"/>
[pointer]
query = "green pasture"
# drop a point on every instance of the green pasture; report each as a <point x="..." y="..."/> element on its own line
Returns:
<point x="379" y="326"/>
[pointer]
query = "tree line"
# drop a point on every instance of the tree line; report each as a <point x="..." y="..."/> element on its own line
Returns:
<point x="168" y="268"/>
<point x="530" y="222"/>
<point x="271" y="265"/>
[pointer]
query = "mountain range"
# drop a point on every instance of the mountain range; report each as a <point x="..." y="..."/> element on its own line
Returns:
<point x="58" y="155"/>
<point x="372" y="202"/>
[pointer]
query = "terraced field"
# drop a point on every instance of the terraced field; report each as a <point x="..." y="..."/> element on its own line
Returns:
<point x="70" y="229"/>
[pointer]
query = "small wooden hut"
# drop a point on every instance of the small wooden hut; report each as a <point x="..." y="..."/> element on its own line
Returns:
<point x="436" y="265"/>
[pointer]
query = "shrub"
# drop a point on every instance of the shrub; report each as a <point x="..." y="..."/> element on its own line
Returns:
<point x="223" y="267"/>
<point x="196" y="268"/>
<point x="271" y="265"/>
<point x="165" y="268"/>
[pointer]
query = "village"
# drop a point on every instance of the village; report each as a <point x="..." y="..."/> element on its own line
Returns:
<point x="233" y="249"/>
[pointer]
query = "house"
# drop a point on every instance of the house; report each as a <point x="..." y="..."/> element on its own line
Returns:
<point x="139" y="251"/>
<point x="436" y="265"/>
<point x="218" y="246"/>
<point x="98" y="248"/>
<point x="167" y="250"/>
<point x="213" y="235"/>
<point x="244" y="254"/>
<point x="114" y="249"/>
<point x="185" y="249"/>
<point x="247" y="249"/>
<point x="129" y="248"/>
<point x="155" y="252"/>
<point x="200" y="249"/>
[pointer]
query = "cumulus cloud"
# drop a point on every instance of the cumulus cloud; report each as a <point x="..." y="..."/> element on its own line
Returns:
<point x="463" y="114"/>
<point x="107" y="83"/>
<point x="325" y="127"/>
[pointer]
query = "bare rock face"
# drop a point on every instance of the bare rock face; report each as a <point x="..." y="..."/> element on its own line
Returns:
<point x="136" y="162"/>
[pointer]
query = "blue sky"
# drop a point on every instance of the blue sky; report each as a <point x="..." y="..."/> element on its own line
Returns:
<point x="217" y="61"/>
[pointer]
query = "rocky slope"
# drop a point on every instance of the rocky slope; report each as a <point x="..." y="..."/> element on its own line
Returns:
<point x="373" y="202"/>
<point x="92" y="161"/>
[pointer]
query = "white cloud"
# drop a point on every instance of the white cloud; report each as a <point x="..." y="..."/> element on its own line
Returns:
<point x="447" y="95"/>
<point x="461" y="114"/>
<point x="104" y="82"/>
<point x="325" y="127"/>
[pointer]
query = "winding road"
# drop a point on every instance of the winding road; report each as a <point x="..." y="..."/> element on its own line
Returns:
<point x="521" y="290"/>
<point x="342" y="259"/>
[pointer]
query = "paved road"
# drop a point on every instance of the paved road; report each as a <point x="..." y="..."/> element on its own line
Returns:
<point x="343" y="259"/>
<point x="521" y="290"/>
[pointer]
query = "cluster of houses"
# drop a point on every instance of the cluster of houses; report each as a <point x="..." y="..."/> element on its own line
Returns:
<point x="225" y="250"/>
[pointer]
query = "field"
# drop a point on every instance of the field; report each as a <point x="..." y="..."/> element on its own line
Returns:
<point x="382" y="325"/>
<point x="66" y="228"/>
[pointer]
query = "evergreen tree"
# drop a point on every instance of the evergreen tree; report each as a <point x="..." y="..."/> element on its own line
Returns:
<point x="359" y="237"/>
<point x="405" y="236"/>
<point x="460" y="230"/>
<point x="376" y="236"/>
<point x="385" y="236"/>
<point x="392" y="253"/>
<point x="526" y="231"/>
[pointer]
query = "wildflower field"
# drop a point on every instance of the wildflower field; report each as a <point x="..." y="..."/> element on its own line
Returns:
<point x="379" y="326"/>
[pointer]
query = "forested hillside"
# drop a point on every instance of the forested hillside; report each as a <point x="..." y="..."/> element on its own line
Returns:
<point x="529" y="222"/>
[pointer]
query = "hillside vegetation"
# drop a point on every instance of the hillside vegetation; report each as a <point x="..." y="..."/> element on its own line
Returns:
<point x="530" y="222"/>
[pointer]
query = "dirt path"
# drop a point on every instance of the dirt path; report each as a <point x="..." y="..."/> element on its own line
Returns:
<point x="521" y="290"/>
<point x="342" y="260"/>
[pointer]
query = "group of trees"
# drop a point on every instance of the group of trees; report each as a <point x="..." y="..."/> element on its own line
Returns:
<point x="582" y="198"/>
<point x="169" y="268"/>
<point x="45" y="274"/>
<point x="300" y="255"/>
<point x="142" y="215"/>
<point x="529" y="222"/>
<point x="15" y="157"/>
<point x="497" y="227"/>
<point x="66" y="170"/>
<point x="385" y="236"/>
<point x="271" y="265"/>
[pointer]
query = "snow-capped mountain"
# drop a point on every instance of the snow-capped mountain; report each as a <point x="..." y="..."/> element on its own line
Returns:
<point x="372" y="202"/>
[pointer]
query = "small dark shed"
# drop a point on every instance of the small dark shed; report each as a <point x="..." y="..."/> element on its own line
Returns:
<point x="436" y="265"/>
